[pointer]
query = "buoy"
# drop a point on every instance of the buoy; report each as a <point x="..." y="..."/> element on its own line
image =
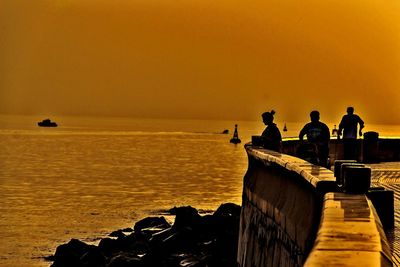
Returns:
<point x="235" y="139"/>
<point x="285" y="128"/>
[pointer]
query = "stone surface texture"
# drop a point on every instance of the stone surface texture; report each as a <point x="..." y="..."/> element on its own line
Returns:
<point x="289" y="218"/>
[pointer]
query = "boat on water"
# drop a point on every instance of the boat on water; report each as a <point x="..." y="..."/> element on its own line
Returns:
<point x="47" y="123"/>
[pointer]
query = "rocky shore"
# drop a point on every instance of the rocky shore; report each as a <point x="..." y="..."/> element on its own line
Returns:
<point x="192" y="241"/>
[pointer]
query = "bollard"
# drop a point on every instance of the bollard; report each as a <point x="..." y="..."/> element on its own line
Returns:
<point x="356" y="179"/>
<point x="370" y="147"/>
<point x="344" y="166"/>
<point x="383" y="201"/>
<point x="338" y="165"/>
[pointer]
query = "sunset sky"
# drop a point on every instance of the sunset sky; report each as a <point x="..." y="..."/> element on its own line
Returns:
<point x="210" y="59"/>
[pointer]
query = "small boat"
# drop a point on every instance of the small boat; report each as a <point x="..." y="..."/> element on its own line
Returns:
<point x="235" y="139"/>
<point x="285" y="128"/>
<point x="47" y="123"/>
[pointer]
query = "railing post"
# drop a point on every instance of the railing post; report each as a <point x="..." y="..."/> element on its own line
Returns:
<point x="356" y="179"/>
<point x="338" y="166"/>
<point x="370" y="147"/>
<point x="383" y="201"/>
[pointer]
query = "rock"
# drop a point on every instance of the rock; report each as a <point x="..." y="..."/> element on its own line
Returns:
<point x="109" y="245"/>
<point x="69" y="254"/>
<point x="49" y="258"/>
<point x="93" y="258"/>
<point x="226" y="247"/>
<point x="181" y="240"/>
<point x="160" y="236"/>
<point x="209" y="227"/>
<point x="185" y="217"/>
<point x="118" y="233"/>
<point x="190" y="262"/>
<point x="125" y="260"/>
<point x="135" y="242"/>
<point x="149" y="222"/>
<point x="192" y="241"/>
<point x="228" y="209"/>
<point x="152" y="230"/>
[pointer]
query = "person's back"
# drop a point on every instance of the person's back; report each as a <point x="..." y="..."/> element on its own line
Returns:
<point x="348" y="126"/>
<point x="272" y="137"/>
<point x="318" y="134"/>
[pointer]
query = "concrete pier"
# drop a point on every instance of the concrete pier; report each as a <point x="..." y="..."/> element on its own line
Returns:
<point x="387" y="175"/>
<point x="292" y="214"/>
<point x="350" y="234"/>
<point x="368" y="151"/>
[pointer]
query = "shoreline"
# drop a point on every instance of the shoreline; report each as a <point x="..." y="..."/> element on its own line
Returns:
<point x="192" y="240"/>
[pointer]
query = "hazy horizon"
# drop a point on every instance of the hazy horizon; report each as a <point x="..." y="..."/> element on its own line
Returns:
<point x="225" y="60"/>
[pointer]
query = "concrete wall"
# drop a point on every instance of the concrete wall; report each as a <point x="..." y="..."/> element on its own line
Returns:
<point x="350" y="234"/>
<point x="383" y="150"/>
<point x="283" y="200"/>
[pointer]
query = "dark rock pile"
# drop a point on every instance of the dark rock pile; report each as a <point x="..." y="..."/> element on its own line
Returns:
<point x="192" y="241"/>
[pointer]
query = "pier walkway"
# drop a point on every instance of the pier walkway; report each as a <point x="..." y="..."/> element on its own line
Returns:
<point x="387" y="175"/>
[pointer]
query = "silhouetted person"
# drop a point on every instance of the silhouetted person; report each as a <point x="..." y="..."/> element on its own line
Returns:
<point x="348" y="125"/>
<point x="271" y="136"/>
<point x="317" y="134"/>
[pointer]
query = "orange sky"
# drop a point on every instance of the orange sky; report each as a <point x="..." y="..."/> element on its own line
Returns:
<point x="220" y="59"/>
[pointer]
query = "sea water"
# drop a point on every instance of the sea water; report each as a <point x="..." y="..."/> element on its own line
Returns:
<point x="91" y="176"/>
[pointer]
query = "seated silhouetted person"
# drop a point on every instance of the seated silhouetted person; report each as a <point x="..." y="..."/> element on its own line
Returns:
<point x="271" y="136"/>
<point x="348" y="126"/>
<point x="318" y="137"/>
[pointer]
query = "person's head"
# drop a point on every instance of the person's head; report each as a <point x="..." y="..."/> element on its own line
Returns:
<point x="350" y="110"/>
<point x="268" y="117"/>
<point x="314" y="115"/>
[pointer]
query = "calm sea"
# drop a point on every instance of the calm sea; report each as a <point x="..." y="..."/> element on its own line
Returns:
<point x="90" y="176"/>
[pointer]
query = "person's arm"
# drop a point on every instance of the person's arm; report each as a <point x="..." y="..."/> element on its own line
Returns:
<point x="327" y="134"/>
<point x="278" y="135"/>
<point x="341" y="125"/>
<point x="361" y="122"/>
<point x="302" y="133"/>
<point x="275" y="134"/>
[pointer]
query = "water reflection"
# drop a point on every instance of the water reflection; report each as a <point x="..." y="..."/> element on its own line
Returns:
<point x="57" y="187"/>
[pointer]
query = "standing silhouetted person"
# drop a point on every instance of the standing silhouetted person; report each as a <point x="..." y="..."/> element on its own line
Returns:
<point x="271" y="136"/>
<point x="318" y="134"/>
<point x="348" y="126"/>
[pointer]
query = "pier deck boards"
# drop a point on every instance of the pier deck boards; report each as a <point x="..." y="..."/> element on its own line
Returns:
<point x="388" y="175"/>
